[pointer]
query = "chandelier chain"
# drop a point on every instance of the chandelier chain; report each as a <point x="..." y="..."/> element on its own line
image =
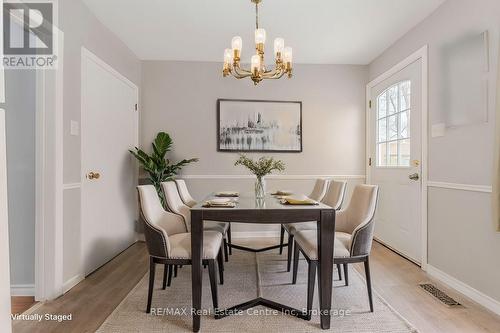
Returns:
<point x="257" y="15"/>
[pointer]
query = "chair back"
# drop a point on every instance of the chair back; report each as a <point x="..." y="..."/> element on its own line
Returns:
<point x="335" y="194"/>
<point x="359" y="219"/>
<point x="319" y="190"/>
<point x="175" y="204"/>
<point x="158" y="223"/>
<point x="184" y="193"/>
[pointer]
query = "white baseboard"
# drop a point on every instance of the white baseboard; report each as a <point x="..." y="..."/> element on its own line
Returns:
<point x="72" y="282"/>
<point x="255" y="234"/>
<point x="474" y="294"/>
<point x="22" y="290"/>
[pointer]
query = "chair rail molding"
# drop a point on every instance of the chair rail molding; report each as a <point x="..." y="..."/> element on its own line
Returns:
<point x="71" y="186"/>
<point x="461" y="187"/>
<point x="287" y="177"/>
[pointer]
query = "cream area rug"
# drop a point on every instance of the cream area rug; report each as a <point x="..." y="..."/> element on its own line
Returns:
<point x="246" y="276"/>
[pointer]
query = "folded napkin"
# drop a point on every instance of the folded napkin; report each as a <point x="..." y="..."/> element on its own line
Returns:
<point x="227" y="194"/>
<point x="220" y="203"/>
<point x="282" y="192"/>
<point x="298" y="200"/>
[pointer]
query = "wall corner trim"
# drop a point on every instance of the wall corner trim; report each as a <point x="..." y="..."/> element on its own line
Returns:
<point x="463" y="288"/>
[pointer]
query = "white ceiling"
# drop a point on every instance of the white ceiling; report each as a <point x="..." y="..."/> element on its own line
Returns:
<point x="320" y="31"/>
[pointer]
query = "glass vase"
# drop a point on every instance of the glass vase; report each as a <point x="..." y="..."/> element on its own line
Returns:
<point x="260" y="188"/>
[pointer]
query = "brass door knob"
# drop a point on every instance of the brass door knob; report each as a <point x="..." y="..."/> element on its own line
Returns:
<point x="414" y="176"/>
<point x="93" y="175"/>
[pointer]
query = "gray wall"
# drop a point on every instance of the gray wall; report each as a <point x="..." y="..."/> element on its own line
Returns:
<point x="462" y="240"/>
<point x="20" y="120"/>
<point x="180" y="98"/>
<point x="81" y="28"/>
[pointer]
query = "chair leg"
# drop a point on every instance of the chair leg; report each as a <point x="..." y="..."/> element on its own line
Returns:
<point x="152" y="267"/>
<point x="339" y="270"/>
<point x="165" y="273"/>
<point x="311" y="277"/>
<point x="346" y="274"/>
<point x="295" y="263"/>
<point x="175" y="270"/>
<point x="282" y="238"/>
<point x="170" y="272"/>
<point x="213" y="283"/>
<point x="291" y="245"/>
<point x="220" y="263"/>
<point x="229" y="240"/>
<point x="226" y="255"/>
<point x="369" y="283"/>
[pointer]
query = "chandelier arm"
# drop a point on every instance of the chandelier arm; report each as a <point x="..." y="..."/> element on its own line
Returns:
<point x="276" y="73"/>
<point x="241" y="72"/>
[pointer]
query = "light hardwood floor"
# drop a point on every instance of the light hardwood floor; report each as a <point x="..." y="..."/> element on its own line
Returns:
<point x="19" y="304"/>
<point x="394" y="278"/>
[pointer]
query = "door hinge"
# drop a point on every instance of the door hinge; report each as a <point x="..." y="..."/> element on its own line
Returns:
<point x="370" y="161"/>
<point x="135" y="106"/>
<point x="370" y="104"/>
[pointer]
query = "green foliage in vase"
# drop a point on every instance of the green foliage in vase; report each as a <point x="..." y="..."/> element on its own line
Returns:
<point x="262" y="167"/>
<point x="158" y="167"/>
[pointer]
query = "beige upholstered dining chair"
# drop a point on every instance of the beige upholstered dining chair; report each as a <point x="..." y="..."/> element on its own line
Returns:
<point x="318" y="192"/>
<point x="189" y="201"/>
<point x="174" y="203"/>
<point x="353" y="239"/>
<point x="168" y="242"/>
<point x="333" y="197"/>
<point x="184" y="193"/>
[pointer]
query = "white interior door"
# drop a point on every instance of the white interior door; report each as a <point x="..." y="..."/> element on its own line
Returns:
<point x="109" y="130"/>
<point x="396" y="155"/>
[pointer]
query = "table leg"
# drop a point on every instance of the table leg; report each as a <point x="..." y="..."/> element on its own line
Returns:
<point x="326" y="237"/>
<point x="196" y="269"/>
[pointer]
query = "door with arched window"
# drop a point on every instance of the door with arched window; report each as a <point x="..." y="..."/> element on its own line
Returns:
<point x="396" y="155"/>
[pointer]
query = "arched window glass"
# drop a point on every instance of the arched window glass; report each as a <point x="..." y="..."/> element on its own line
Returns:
<point x="393" y="126"/>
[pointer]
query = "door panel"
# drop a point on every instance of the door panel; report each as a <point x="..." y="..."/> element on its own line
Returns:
<point x="109" y="130"/>
<point x="396" y="152"/>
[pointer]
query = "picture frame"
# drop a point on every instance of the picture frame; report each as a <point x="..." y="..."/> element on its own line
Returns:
<point x="246" y="125"/>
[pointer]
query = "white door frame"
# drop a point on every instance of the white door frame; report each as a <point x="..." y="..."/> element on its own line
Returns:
<point x="421" y="54"/>
<point x="49" y="180"/>
<point x="88" y="55"/>
<point x="5" y="320"/>
<point x="48" y="177"/>
<point x="5" y="307"/>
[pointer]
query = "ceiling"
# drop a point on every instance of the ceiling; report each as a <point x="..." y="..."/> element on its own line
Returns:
<point x="320" y="31"/>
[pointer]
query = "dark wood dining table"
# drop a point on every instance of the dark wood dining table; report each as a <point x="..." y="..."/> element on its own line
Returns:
<point x="268" y="210"/>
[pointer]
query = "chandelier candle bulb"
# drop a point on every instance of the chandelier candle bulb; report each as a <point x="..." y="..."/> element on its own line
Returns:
<point x="279" y="45"/>
<point x="288" y="54"/>
<point x="228" y="56"/>
<point x="255" y="64"/>
<point x="260" y="36"/>
<point x="237" y="45"/>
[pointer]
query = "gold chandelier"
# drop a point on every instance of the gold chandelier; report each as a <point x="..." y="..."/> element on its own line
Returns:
<point x="258" y="70"/>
